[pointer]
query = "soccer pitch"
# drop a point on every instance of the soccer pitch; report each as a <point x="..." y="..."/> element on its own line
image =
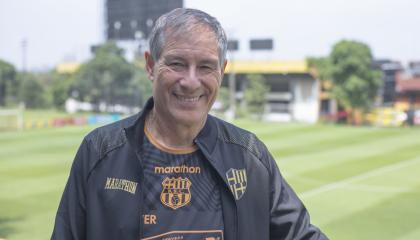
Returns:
<point x="357" y="182"/>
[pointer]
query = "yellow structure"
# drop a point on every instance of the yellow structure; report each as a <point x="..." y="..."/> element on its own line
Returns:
<point x="267" y="67"/>
<point x="64" y="68"/>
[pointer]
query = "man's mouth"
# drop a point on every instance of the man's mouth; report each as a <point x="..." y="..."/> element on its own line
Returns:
<point x="184" y="98"/>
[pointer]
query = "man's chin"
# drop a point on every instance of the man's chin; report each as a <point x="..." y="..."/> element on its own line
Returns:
<point x="190" y="118"/>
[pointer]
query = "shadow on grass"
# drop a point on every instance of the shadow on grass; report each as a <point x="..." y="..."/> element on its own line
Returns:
<point x="6" y="226"/>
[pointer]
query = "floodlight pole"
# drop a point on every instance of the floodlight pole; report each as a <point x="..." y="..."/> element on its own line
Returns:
<point x="24" y="45"/>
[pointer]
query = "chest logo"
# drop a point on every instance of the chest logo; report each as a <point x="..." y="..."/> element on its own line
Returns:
<point x="175" y="192"/>
<point x="121" y="184"/>
<point x="237" y="182"/>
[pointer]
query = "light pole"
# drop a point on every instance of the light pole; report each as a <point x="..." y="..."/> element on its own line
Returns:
<point x="24" y="45"/>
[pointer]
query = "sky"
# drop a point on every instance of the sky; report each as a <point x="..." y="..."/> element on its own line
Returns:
<point x="57" y="31"/>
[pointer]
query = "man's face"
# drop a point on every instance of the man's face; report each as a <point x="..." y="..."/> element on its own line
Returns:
<point x="186" y="77"/>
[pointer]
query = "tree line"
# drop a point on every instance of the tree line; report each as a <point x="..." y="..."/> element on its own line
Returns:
<point x="107" y="78"/>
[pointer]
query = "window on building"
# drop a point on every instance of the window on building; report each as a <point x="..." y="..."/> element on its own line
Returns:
<point x="233" y="45"/>
<point x="261" y="44"/>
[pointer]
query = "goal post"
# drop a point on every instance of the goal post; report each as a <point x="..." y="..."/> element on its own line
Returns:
<point x="11" y="119"/>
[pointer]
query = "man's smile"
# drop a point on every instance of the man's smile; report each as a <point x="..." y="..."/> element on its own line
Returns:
<point x="186" y="98"/>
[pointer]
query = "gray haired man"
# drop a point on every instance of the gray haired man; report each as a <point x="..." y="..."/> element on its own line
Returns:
<point x="173" y="171"/>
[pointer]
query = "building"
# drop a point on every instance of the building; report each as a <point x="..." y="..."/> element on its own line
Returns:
<point x="390" y="69"/>
<point x="294" y="92"/>
<point x="408" y="87"/>
<point x="134" y="19"/>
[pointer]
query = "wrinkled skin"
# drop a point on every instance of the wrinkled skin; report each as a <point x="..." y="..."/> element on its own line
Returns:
<point x="186" y="79"/>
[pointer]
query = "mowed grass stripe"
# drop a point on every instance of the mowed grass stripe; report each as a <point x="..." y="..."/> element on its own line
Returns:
<point x="343" y="202"/>
<point x="27" y="188"/>
<point x="33" y="217"/>
<point x="387" y="219"/>
<point x="343" y="170"/>
<point x="38" y="160"/>
<point x="378" y="171"/>
<point x="39" y="134"/>
<point x="314" y="142"/>
<point x="59" y="148"/>
<point x="408" y="235"/>
<point x="45" y="143"/>
<point x="33" y="172"/>
<point x="336" y="155"/>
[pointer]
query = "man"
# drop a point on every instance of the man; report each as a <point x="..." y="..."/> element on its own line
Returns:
<point x="173" y="171"/>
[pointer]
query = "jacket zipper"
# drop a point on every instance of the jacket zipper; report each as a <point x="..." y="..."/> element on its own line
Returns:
<point x="207" y="155"/>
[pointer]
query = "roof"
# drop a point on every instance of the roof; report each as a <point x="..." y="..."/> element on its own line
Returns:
<point x="267" y="67"/>
<point x="407" y="85"/>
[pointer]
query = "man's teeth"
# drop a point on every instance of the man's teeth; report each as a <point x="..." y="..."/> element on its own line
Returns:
<point x="188" y="99"/>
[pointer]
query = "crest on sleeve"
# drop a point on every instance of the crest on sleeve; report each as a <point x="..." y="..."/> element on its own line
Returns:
<point x="176" y="192"/>
<point x="237" y="182"/>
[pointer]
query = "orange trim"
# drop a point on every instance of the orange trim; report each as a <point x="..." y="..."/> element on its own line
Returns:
<point x="168" y="149"/>
<point x="188" y="232"/>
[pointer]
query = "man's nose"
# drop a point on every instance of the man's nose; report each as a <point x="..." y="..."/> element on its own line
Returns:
<point x="191" y="80"/>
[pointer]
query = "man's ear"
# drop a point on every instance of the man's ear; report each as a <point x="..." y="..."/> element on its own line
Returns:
<point x="223" y="71"/>
<point x="224" y="66"/>
<point x="150" y="64"/>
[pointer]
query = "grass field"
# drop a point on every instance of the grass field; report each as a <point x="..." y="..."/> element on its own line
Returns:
<point x="358" y="183"/>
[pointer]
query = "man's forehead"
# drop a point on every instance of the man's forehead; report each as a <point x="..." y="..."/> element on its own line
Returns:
<point x="191" y="40"/>
<point x="193" y="32"/>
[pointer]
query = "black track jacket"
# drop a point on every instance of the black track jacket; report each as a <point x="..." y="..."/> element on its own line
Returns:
<point x="93" y="209"/>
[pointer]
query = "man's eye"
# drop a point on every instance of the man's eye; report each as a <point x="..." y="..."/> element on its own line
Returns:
<point x="176" y="64"/>
<point x="206" y="67"/>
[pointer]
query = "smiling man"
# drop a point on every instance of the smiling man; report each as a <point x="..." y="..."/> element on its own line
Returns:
<point x="173" y="171"/>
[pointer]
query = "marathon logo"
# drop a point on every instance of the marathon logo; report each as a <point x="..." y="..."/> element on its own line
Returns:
<point x="121" y="184"/>
<point x="177" y="169"/>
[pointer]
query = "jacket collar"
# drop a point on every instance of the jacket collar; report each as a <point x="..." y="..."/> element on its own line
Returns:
<point x="208" y="135"/>
<point x="135" y="132"/>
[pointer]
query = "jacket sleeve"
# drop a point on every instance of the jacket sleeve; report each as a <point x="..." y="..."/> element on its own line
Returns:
<point x="71" y="215"/>
<point x="289" y="218"/>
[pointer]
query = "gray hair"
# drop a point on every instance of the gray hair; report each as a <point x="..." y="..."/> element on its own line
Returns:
<point x="182" y="20"/>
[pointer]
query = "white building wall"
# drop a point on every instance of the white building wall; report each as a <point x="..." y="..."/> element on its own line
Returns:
<point x="305" y="104"/>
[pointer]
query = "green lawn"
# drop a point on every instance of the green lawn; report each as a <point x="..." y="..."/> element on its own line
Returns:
<point x="358" y="183"/>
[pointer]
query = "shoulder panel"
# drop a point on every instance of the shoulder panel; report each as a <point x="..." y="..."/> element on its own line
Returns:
<point x="230" y="133"/>
<point x="106" y="138"/>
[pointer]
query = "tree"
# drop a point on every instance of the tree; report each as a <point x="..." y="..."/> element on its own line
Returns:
<point x="7" y="80"/>
<point x="320" y="67"/>
<point x="255" y="94"/>
<point x="355" y="83"/>
<point x="140" y="86"/>
<point x="106" y="78"/>
<point x="223" y="97"/>
<point x="32" y="92"/>
<point x="60" y="89"/>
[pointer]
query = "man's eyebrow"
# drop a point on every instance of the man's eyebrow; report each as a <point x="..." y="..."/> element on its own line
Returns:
<point x="210" y="61"/>
<point x="173" y="57"/>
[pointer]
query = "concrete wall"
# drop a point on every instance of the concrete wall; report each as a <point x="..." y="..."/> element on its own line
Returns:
<point x="305" y="104"/>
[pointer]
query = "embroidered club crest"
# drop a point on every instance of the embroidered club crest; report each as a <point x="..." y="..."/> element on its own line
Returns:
<point x="176" y="192"/>
<point x="237" y="182"/>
